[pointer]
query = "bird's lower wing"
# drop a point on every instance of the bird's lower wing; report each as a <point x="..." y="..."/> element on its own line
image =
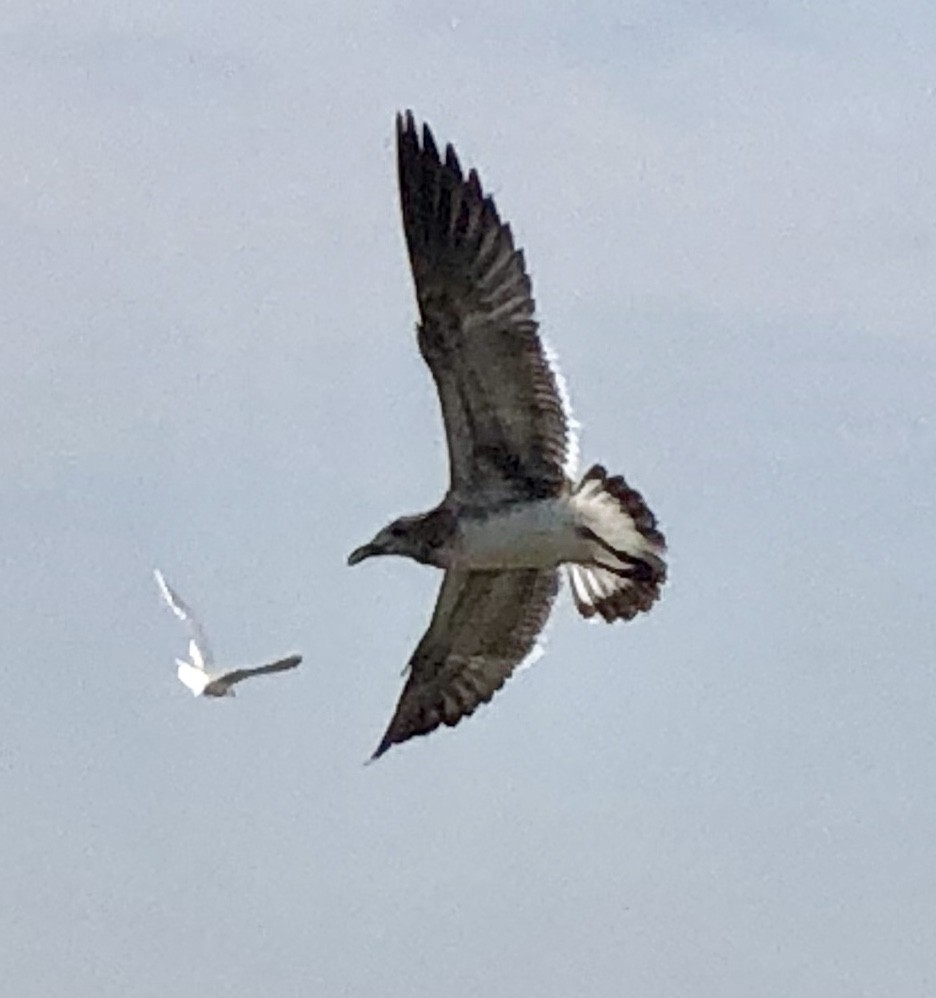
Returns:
<point x="282" y="665"/>
<point x="484" y="625"/>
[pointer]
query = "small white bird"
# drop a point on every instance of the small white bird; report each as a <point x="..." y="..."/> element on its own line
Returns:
<point x="199" y="675"/>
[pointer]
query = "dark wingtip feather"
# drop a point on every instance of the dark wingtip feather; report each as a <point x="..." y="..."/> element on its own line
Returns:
<point x="405" y="126"/>
<point x="385" y="743"/>
<point x="428" y="143"/>
<point x="452" y="163"/>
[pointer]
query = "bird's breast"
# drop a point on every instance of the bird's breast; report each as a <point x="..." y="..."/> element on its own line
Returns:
<point x="538" y="534"/>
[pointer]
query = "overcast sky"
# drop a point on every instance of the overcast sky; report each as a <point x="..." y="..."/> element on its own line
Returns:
<point x="207" y="363"/>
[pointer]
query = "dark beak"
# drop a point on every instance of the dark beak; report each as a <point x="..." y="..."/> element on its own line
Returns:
<point x="366" y="551"/>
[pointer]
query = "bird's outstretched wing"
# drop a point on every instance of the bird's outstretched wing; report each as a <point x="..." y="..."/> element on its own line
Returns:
<point x="503" y="403"/>
<point x="484" y="625"/>
<point x="199" y="649"/>
<point x="237" y="675"/>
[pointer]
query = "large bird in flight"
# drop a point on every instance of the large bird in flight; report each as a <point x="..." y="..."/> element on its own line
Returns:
<point x="513" y="513"/>
<point x="200" y="674"/>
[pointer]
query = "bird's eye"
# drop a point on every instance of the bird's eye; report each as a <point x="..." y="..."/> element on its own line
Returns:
<point x="397" y="530"/>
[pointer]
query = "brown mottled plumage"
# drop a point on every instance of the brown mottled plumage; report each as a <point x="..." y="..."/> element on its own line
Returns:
<point x="512" y="514"/>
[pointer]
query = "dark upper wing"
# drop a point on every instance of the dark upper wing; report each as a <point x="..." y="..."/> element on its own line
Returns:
<point x="505" y="418"/>
<point x="484" y="625"/>
<point x="279" y="666"/>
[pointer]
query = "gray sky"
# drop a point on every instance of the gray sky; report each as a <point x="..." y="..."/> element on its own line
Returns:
<point x="208" y="364"/>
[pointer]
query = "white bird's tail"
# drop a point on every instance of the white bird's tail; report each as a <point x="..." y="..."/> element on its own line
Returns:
<point x="626" y="569"/>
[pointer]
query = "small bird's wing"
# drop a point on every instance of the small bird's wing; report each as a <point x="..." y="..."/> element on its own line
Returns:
<point x="506" y="415"/>
<point x="484" y="625"/>
<point x="196" y="655"/>
<point x="237" y="675"/>
<point x="199" y="650"/>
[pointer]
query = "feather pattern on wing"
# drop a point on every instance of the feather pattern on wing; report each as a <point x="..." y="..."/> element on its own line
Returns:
<point x="508" y="429"/>
<point x="484" y="625"/>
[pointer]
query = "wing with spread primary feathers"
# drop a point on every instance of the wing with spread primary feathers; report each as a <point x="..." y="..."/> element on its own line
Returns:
<point x="484" y="625"/>
<point x="503" y="403"/>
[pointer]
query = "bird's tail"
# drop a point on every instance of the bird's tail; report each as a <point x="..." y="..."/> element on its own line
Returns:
<point x="626" y="569"/>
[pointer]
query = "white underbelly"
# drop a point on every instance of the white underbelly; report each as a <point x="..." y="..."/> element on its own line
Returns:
<point x="539" y="534"/>
<point x="195" y="679"/>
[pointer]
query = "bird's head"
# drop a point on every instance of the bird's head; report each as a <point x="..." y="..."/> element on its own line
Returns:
<point x="400" y="537"/>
